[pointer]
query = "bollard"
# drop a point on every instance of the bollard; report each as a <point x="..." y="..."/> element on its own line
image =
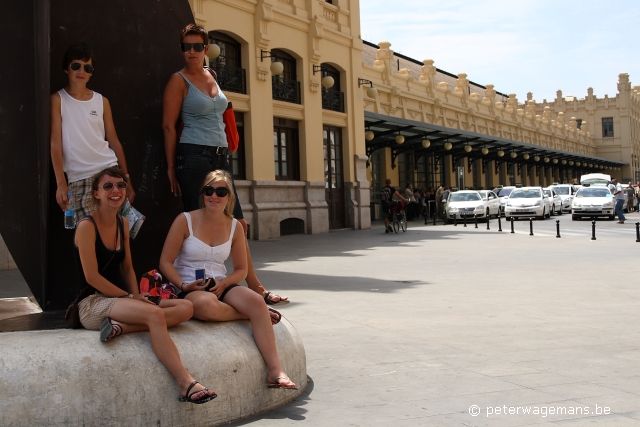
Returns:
<point x="557" y="228"/>
<point x="455" y="220"/>
<point x="488" y="220"/>
<point x="464" y="218"/>
<point x="637" y="232"/>
<point x="512" y="221"/>
<point x="476" y="218"/>
<point x="593" y="230"/>
<point x="499" y="222"/>
<point x="434" y="218"/>
<point x="530" y="226"/>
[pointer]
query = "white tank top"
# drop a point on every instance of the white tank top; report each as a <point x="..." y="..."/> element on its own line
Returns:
<point x="196" y="254"/>
<point x="85" y="151"/>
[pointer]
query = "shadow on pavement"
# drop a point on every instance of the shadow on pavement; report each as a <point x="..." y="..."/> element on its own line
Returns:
<point x="293" y="410"/>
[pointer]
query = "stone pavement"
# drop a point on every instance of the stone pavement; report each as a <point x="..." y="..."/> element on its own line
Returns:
<point x="412" y="329"/>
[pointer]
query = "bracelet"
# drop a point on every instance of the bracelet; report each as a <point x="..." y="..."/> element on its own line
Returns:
<point x="182" y="286"/>
<point x="127" y="296"/>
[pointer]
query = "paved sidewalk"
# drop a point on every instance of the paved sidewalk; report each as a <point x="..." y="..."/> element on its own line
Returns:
<point x="412" y="329"/>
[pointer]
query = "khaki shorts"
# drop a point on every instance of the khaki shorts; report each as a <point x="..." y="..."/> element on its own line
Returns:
<point x="94" y="309"/>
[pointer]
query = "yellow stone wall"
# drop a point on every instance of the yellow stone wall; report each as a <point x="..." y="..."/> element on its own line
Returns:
<point x="422" y="93"/>
<point x="315" y="33"/>
<point x="624" y="108"/>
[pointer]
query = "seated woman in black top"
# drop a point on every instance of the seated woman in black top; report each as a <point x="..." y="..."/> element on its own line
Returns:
<point x="112" y="302"/>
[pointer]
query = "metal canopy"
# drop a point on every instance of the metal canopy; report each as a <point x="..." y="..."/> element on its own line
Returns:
<point x="387" y="128"/>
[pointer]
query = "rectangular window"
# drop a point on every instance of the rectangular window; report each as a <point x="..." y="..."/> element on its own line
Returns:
<point x="607" y="127"/>
<point x="285" y="149"/>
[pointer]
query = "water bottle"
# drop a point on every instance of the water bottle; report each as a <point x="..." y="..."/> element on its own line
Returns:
<point x="70" y="213"/>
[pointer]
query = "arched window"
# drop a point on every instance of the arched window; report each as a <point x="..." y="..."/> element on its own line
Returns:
<point x="332" y="98"/>
<point x="228" y="66"/>
<point x="285" y="87"/>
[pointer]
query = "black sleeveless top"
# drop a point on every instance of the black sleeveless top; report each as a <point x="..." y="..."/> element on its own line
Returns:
<point x="105" y="256"/>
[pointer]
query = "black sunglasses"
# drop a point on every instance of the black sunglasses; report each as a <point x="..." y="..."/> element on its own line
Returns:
<point x="88" y="68"/>
<point x="220" y="191"/>
<point x="107" y="186"/>
<point x="186" y="47"/>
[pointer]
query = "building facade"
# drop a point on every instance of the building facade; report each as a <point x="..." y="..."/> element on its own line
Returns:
<point x="613" y="123"/>
<point x="302" y="165"/>
<point x="448" y="130"/>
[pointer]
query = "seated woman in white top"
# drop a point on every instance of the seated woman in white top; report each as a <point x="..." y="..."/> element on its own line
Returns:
<point x="203" y="239"/>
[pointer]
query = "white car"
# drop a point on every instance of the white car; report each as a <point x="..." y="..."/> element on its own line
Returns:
<point x="593" y="202"/>
<point x="566" y="192"/>
<point x="491" y="202"/>
<point x="554" y="201"/>
<point x="527" y="202"/>
<point x="464" y="204"/>
<point x="503" y="196"/>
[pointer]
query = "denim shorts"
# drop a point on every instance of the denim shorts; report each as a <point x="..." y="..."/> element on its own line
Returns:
<point x="193" y="163"/>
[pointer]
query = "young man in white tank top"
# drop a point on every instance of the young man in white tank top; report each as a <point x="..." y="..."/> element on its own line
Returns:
<point x="83" y="136"/>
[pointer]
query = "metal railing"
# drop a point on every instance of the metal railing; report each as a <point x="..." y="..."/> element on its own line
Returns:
<point x="285" y="90"/>
<point x="332" y="100"/>
<point x="230" y="78"/>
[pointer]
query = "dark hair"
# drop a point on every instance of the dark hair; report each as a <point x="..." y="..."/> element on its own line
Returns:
<point x="78" y="51"/>
<point x="196" y="30"/>
<point x="113" y="171"/>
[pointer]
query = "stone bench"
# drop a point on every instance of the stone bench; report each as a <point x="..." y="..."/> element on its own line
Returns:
<point x="68" y="377"/>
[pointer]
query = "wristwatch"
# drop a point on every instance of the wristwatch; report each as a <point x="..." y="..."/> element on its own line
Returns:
<point x="182" y="286"/>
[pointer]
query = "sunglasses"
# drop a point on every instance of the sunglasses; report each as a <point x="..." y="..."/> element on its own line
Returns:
<point x="121" y="185"/>
<point x="88" y="68"/>
<point x="220" y="191"/>
<point x="186" y="47"/>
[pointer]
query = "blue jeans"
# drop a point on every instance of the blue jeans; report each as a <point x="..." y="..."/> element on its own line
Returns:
<point x="193" y="163"/>
<point x="619" y="205"/>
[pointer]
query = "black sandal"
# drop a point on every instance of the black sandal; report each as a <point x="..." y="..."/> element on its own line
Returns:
<point x="268" y="300"/>
<point x="187" y="397"/>
<point x="107" y="328"/>
<point x="272" y="310"/>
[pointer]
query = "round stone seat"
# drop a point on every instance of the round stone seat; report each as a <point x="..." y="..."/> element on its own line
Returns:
<point x="68" y="377"/>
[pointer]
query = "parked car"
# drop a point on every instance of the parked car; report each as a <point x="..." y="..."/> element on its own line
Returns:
<point x="491" y="202"/>
<point x="566" y="193"/>
<point x="555" y="202"/>
<point x="527" y="202"/>
<point x="593" y="202"/>
<point x="464" y="204"/>
<point x="503" y="195"/>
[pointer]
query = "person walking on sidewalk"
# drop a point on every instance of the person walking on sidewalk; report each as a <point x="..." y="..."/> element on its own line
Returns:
<point x="619" y="195"/>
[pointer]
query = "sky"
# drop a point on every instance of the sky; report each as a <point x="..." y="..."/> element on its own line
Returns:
<point x="520" y="46"/>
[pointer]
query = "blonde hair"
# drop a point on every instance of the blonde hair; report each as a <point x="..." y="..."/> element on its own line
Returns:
<point x="220" y="176"/>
